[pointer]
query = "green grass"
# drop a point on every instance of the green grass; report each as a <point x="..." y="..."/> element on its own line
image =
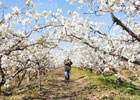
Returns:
<point x="83" y="72"/>
<point x="100" y="85"/>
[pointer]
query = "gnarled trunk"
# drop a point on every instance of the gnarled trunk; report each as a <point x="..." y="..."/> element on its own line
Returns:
<point x="3" y="80"/>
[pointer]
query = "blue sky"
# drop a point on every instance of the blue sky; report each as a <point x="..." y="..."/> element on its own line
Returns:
<point x="53" y="5"/>
<point x="48" y="5"/>
<point x="41" y="5"/>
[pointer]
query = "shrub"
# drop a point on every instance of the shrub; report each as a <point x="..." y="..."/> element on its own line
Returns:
<point x="133" y="78"/>
<point x="130" y="91"/>
<point x="104" y="97"/>
<point x="112" y="96"/>
<point x="98" y="72"/>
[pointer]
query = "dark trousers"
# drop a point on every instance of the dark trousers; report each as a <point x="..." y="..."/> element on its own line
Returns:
<point x="67" y="75"/>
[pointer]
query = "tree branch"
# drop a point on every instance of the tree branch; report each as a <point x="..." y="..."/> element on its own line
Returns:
<point x="118" y="22"/>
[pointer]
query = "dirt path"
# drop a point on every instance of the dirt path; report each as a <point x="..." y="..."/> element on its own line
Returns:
<point x="53" y="87"/>
<point x="58" y="89"/>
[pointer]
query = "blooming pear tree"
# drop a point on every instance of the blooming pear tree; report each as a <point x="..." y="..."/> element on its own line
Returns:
<point x="20" y="53"/>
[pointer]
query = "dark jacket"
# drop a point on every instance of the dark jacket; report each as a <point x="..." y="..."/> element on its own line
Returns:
<point x="67" y="65"/>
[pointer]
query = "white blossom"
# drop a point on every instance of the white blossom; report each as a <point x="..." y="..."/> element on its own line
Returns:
<point x="16" y="10"/>
<point x="0" y="3"/>
<point x="26" y="21"/>
<point x="7" y="16"/>
<point x="137" y="2"/>
<point x="59" y="10"/>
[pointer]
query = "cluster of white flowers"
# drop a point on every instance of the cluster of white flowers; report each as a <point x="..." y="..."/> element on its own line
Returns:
<point x="29" y="3"/>
<point x="16" y="10"/>
<point x="26" y="21"/>
<point x="59" y="10"/>
<point x="7" y="16"/>
<point x="0" y="3"/>
<point x="28" y="13"/>
<point x="137" y="2"/>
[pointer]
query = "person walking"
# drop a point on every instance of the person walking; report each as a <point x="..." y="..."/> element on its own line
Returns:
<point x="67" y="67"/>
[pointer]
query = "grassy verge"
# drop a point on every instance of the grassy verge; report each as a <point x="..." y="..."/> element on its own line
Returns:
<point x="108" y="88"/>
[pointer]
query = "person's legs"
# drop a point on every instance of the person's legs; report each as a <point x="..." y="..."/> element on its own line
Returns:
<point x="66" y="76"/>
<point x="68" y="73"/>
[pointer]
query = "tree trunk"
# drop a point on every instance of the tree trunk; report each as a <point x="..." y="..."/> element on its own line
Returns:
<point x="28" y="76"/>
<point x="3" y="80"/>
<point x="127" y="79"/>
<point x="39" y="79"/>
<point x="36" y="74"/>
<point x="90" y="69"/>
<point x="132" y="71"/>
<point x="22" y="77"/>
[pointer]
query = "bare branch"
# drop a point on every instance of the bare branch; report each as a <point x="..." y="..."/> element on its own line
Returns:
<point x="118" y="22"/>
